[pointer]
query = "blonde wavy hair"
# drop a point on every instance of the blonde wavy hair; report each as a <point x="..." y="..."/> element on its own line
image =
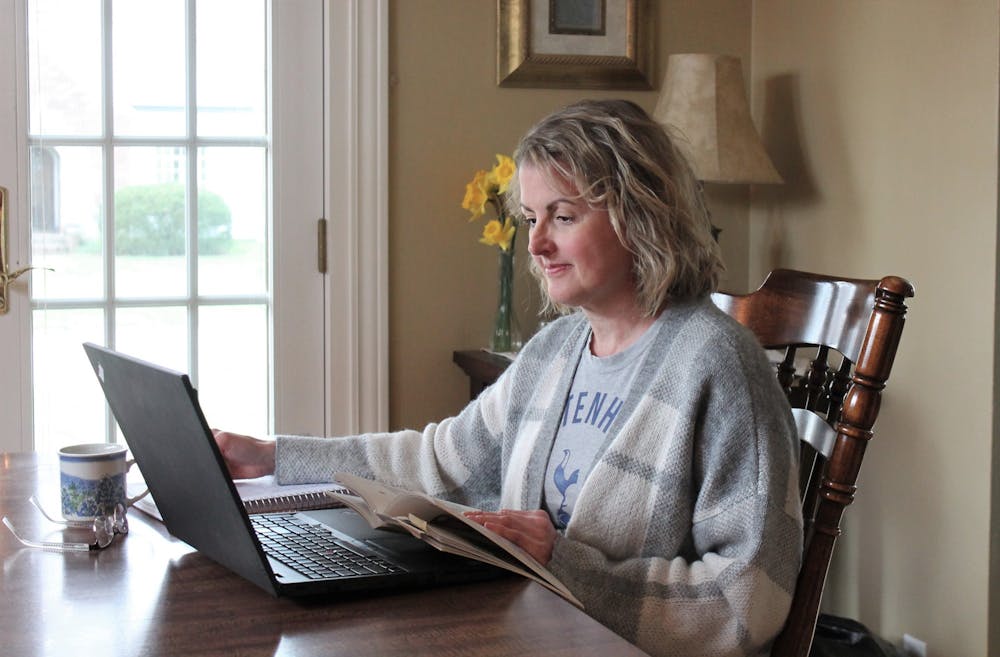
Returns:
<point x="617" y="157"/>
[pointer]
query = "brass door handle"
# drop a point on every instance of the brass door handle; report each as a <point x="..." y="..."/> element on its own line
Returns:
<point x="6" y="276"/>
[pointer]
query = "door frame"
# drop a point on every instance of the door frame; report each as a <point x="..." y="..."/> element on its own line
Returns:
<point x="358" y="213"/>
<point x="15" y="379"/>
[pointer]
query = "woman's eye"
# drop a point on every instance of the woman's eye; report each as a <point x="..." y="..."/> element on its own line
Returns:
<point x="563" y="219"/>
<point x="528" y="221"/>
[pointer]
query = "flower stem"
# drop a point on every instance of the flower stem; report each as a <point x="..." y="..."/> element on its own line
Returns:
<point x="505" y="335"/>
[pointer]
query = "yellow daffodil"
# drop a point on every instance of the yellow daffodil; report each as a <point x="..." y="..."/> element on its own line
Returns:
<point x="502" y="173"/>
<point x="490" y="188"/>
<point x="497" y="234"/>
<point x="476" y="195"/>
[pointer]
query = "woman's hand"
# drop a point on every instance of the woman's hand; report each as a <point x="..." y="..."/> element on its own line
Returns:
<point x="246" y="457"/>
<point x="532" y="531"/>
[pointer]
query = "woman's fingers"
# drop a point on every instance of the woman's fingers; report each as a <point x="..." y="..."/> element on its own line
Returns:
<point x="532" y="531"/>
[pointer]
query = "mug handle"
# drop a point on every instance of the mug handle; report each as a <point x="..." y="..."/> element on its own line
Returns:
<point x="129" y="501"/>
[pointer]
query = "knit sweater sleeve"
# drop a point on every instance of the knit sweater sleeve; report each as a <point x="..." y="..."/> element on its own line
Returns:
<point x="686" y="538"/>
<point x="456" y="458"/>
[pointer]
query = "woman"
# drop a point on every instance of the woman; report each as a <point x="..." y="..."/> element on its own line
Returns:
<point x="639" y="446"/>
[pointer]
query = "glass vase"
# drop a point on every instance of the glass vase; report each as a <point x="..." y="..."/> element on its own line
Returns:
<point x="506" y="335"/>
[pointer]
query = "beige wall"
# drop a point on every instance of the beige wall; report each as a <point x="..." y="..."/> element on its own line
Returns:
<point x="884" y="115"/>
<point x="447" y="119"/>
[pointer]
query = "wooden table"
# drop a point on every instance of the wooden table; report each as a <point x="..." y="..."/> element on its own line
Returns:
<point x="151" y="594"/>
<point x="482" y="368"/>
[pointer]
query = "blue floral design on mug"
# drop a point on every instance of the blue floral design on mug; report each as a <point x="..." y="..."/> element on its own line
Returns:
<point x="86" y="498"/>
<point x="92" y="479"/>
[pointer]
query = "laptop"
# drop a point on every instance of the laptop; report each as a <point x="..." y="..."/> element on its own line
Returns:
<point x="158" y="412"/>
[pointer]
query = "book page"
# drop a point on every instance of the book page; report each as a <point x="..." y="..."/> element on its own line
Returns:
<point x="391" y="502"/>
<point x="444" y="525"/>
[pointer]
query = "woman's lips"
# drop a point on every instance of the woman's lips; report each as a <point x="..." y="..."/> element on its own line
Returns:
<point x="554" y="269"/>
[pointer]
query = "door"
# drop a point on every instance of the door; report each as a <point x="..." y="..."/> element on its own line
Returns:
<point x="171" y="170"/>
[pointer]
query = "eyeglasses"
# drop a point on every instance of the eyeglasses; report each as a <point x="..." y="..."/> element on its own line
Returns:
<point x="105" y="528"/>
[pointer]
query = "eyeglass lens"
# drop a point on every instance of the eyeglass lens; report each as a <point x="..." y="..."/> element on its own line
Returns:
<point x="106" y="527"/>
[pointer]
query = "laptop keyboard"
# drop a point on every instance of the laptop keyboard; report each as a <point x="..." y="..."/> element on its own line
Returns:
<point x="312" y="550"/>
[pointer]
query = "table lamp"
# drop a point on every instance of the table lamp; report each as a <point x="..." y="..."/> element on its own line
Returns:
<point x="703" y="102"/>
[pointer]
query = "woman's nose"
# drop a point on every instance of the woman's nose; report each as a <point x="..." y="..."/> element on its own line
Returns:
<point x="538" y="239"/>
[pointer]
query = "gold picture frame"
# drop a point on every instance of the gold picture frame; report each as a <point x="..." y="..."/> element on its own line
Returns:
<point x="621" y="57"/>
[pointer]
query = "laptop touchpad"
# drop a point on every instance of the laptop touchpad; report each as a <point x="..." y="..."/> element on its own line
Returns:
<point x="397" y="543"/>
<point x="350" y="525"/>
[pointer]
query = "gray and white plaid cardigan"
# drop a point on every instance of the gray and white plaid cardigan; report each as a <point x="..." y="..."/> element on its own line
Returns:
<point x="686" y="536"/>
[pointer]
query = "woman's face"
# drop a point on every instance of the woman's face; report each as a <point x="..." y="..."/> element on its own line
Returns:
<point x="582" y="262"/>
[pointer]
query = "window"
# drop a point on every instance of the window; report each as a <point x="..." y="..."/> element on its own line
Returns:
<point x="150" y="154"/>
<point x="324" y="336"/>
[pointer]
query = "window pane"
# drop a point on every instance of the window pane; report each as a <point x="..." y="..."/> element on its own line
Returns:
<point x="150" y="222"/>
<point x="64" y="67"/>
<point x="231" y="88"/>
<point x="232" y="367"/>
<point x="158" y="335"/>
<point x="232" y="216"/>
<point x="69" y="406"/>
<point x="149" y="67"/>
<point x="66" y="220"/>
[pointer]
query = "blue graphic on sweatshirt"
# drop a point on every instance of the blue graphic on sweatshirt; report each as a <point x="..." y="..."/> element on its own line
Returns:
<point x="563" y="483"/>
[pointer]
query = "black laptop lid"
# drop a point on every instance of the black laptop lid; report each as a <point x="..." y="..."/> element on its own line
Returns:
<point x="164" y="427"/>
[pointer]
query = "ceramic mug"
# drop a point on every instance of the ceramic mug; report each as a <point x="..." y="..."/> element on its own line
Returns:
<point x="92" y="480"/>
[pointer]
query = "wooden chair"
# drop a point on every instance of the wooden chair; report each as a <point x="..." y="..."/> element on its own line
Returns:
<point x="835" y="400"/>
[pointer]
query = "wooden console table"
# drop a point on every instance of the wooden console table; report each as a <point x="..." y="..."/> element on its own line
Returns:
<point x="482" y="368"/>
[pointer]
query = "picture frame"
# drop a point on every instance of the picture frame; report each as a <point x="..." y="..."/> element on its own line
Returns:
<point x="575" y="44"/>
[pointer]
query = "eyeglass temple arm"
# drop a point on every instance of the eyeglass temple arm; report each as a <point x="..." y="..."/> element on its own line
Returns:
<point x="78" y="524"/>
<point x="45" y="545"/>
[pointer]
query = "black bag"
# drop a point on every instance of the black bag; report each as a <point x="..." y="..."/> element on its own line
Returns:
<point x="844" y="637"/>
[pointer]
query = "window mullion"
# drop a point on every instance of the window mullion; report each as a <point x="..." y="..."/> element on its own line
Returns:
<point x="191" y="107"/>
<point x="108" y="151"/>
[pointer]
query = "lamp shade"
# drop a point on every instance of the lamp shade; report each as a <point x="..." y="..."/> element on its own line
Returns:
<point x="703" y="102"/>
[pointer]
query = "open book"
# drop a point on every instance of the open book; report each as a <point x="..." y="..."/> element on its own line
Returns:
<point x="443" y="525"/>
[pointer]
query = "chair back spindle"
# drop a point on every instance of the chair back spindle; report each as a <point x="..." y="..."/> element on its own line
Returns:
<point x="835" y="406"/>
